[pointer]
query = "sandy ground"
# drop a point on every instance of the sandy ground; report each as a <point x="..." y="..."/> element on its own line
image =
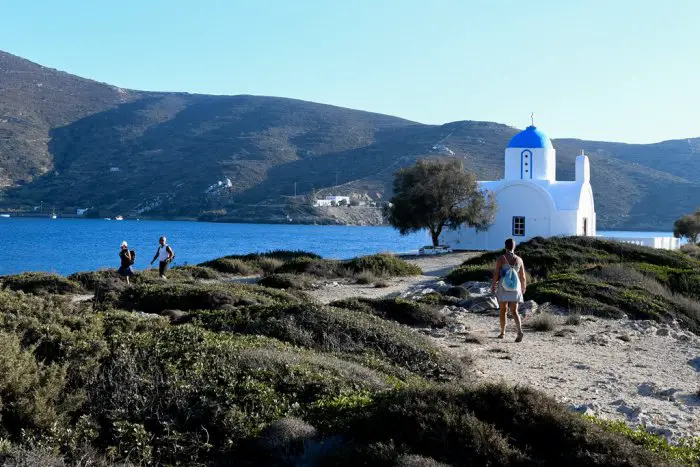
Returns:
<point x="433" y="267"/>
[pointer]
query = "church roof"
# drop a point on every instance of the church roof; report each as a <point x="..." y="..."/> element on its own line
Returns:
<point x="530" y="137"/>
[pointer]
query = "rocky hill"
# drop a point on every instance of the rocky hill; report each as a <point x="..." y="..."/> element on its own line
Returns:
<point x="72" y="142"/>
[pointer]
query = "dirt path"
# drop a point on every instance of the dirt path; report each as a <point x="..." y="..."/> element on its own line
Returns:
<point x="433" y="267"/>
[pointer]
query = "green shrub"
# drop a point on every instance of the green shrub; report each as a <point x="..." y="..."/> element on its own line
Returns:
<point x="686" y="451"/>
<point x="383" y="265"/>
<point x="258" y="263"/>
<point x="313" y="266"/>
<point x="90" y="280"/>
<point x="155" y="298"/>
<point x="486" y="425"/>
<point x="287" y="281"/>
<point x="40" y="283"/>
<point x="470" y="272"/>
<point x="331" y="329"/>
<point x="194" y="272"/>
<point x="199" y="395"/>
<point x="396" y="309"/>
<point x="227" y="265"/>
<point x="588" y="295"/>
<point x="692" y="250"/>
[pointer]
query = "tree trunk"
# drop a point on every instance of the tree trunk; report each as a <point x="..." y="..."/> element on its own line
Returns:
<point x="435" y="234"/>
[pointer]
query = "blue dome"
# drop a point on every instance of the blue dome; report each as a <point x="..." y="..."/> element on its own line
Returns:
<point x="532" y="138"/>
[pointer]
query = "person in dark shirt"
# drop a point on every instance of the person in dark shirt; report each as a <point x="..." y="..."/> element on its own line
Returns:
<point x="125" y="269"/>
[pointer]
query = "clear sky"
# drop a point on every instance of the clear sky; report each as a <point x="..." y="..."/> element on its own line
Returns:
<point x="615" y="70"/>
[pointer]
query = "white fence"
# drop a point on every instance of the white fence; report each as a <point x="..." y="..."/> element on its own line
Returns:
<point x="664" y="243"/>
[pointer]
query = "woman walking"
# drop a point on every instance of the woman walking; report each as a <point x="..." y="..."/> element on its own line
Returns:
<point x="509" y="285"/>
<point x="125" y="270"/>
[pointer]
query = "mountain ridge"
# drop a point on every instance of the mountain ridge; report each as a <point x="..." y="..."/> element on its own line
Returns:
<point x="74" y="142"/>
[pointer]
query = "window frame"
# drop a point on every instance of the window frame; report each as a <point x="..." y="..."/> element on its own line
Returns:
<point x="518" y="226"/>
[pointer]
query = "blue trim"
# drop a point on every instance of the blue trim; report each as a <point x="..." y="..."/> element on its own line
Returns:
<point x="530" y="137"/>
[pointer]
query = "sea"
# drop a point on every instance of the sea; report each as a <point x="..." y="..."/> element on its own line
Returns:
<point x="66" y="246"/>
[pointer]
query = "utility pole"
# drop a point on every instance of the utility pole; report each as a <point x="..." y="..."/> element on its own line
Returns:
<point x="295" y="189"/>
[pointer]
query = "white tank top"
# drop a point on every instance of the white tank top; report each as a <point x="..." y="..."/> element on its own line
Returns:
<point x="163" y="252"/>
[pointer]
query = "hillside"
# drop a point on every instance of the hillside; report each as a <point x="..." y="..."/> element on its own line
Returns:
<point x="72" y="142"/>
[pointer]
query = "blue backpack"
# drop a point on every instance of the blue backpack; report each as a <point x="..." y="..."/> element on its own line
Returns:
<point x="510" y="280"/>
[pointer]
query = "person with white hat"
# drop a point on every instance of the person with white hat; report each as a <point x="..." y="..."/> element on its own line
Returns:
<point x="127" y="260"/>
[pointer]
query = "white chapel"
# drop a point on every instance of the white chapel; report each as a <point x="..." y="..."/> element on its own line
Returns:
<point x="530" y="201"/>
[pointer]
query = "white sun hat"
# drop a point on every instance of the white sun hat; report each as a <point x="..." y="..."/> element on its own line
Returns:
<point x="124" y="243"/>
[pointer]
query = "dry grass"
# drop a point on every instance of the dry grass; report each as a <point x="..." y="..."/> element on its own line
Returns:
<point x="543" y="322"/>
<point x="365" y="277"/>
<point x="573" y="319"/>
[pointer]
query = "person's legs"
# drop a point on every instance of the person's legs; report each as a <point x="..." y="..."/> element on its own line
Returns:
<point x="162" y="266"/>
<point x="504" y="319"/>
<point x="516" y="317"/>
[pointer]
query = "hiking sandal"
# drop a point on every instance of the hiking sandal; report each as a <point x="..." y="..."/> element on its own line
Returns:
<point x="501" y="335"/>
<point x="519" y="338"/>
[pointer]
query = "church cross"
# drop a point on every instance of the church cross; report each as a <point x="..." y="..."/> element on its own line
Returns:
<point x="532" y="118"/>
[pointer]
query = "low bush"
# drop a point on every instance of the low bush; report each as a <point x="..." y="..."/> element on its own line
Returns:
<point x="288" y="281"/>
<point x="486" y="425"/>
<point x="185" y="395"/>
<point x="257" y="263"/>
<point x="90" y="280"/>
<point x="40" y="283"/>
<point x="590" y="295"/>
<point x="381" y="284"/>
<point x="692" y="250"/>
<point x="457" y="291"/>
<point x="543" y="322"/>
<point x="195" y="272"/>
<point x="574" y="319"/>
<point x="383" y="265"/>
<point x="686" y="451"/>
<point x="470" y="272"/>
<point x="155" y="298"/>
<point x="325" y="268"/>
<point x="332" y="329"/>
<point x="365" y="277"/>
<point x="396" y="309"/>
<point x="227" y="265"/>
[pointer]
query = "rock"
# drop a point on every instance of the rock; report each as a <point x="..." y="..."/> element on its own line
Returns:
<point x="457" y="292"/>
<point x="668" y="394"/>
<point x="648" y="389"/>
<point x="590" y="409"/>
<point x="657" y="430"/>
<point x="439" y="333"/>
<point x="427" y="290"/>
<point x="446" y="310"/>
<point x="631" y="412"/>
<point x="529" y="307"/>
<point x="581" y="366"/>
<point x="457" y="328"/>
<point x="481" y="304"/>
<point x="663" y="332"/>
<point x="441" y="286"/>
<point x="477" y="288"/>
<point x="695" y="363"/>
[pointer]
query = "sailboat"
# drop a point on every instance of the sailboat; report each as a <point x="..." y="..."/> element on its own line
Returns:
<point x="53" y="214"/>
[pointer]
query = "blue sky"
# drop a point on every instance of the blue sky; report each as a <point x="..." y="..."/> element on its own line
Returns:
<point x="616" y="70"/>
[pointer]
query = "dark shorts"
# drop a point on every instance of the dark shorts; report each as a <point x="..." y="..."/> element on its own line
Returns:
<point x="126" y="271"/>
<point x="162" y="267"/>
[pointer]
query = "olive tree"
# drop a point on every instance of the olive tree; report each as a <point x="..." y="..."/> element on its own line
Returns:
<point x="688" y="226"/>
<point x="438" y="194"/>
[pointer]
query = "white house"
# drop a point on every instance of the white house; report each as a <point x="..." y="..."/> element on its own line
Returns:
<point x="330" y="200"/>
<point x="530" y="201"/>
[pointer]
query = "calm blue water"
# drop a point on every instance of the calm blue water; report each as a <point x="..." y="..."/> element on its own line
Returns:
<point x="70" y="245"/>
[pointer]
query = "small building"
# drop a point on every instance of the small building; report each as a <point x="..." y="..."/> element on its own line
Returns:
<point x="332" y="200"/>
<point x="531" y="202"/>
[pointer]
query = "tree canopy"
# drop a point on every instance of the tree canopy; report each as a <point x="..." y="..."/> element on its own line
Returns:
<point x="688" y="227"/>
<point x="434" y="194"/>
